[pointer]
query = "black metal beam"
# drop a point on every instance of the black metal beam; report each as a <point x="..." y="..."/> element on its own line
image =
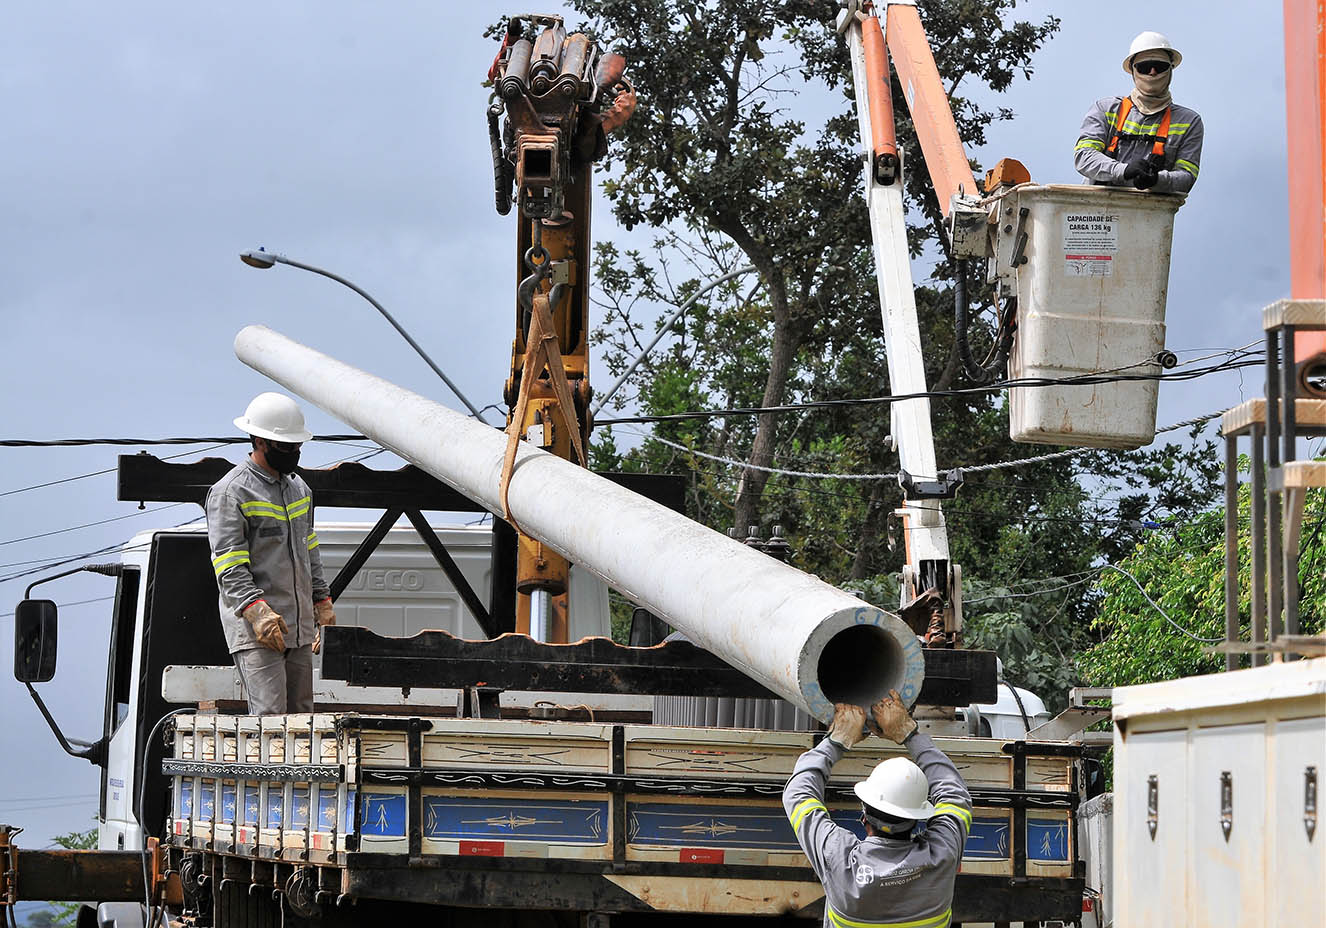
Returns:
<point x="147" y="478"/>
<point x="595" y="665"/>
<point x="361" y="553"/>
<point x="453" y="572"/>
<point x="502" y="577"/>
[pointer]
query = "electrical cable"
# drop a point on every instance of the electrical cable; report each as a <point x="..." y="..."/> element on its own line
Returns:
<point x="42" y="566"/>
<point x="979" y="468"/>
<point x="1163" y="613"/>
<point x="1077" y="380"/>
<point x="98" y="473"/>
<point x="223" y="440"/>
<point x="77" y="602"/>
<point x="74" y="528"/>
<point x="138" y="807"/>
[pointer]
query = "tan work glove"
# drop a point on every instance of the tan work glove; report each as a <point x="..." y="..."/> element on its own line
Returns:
<point x="268" y="627"/>
<point x="891" y="719"/>
<point x="323" y="614"/>
<point x="848" y="727"/>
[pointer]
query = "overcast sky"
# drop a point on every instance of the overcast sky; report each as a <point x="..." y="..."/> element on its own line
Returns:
<point x="146" y="144"/>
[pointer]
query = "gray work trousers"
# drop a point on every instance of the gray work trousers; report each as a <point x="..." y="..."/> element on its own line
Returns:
<point x="276" y="682"/>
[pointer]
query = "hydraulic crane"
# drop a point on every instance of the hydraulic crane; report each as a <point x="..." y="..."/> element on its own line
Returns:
<point x="560" y="95"/>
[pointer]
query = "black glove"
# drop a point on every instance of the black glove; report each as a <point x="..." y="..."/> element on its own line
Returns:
<point x="1134" y="168"/>
<point x="1147" y="178"/>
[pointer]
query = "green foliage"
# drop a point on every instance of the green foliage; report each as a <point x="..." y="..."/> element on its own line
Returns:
<point x="1181" y="571"/>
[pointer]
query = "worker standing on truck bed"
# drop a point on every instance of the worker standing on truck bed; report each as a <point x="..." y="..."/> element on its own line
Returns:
<point x="1144" y="139"/>
<point x="274" y="600"/>
<point x="893" y="877"/>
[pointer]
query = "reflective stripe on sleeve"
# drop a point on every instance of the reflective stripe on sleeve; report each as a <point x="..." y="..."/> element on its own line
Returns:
<point x="260" y="507"/>
<point x="1096" y="144"/>
<point x="264" y="509"/>
<point x="312" y="540"/>
<point x="804" y="808"/>
<point x="948" y="808"/>
<point x="228" y="560"/>
<point x="931" y="921"/>
<point x="1186" y="166"/>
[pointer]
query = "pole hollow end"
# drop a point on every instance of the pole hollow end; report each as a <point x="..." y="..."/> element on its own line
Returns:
<point x="857" y="657"/>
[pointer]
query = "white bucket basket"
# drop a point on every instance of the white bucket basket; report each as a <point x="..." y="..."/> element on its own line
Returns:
<point x="1091" y="289"/>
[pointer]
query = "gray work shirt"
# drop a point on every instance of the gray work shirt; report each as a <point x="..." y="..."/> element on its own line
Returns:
<point x="260" y="528"/>
<point x="1183" y="151"/>
<point x="882" y="881"/>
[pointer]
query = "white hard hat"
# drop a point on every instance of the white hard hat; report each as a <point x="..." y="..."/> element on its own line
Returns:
<point x="897" y="786"/>
<point x="1150" y="42"/>
<point x="276" y="417"/>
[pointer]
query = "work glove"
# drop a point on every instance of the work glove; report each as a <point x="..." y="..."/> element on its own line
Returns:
<point x="1132" y="169"/>
<point x="848" y="726"/>
<point x="268" y="627"/>
<point x="891" y="719"/>
<point x="1147" y="179"/>
<point x="323" y="614"/>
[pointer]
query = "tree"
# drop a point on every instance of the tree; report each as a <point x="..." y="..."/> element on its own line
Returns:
<point x="713" y="154"/>
<point x="1165" y="605"/>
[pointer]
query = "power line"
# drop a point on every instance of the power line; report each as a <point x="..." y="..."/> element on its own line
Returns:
<point x="1163" y="613"/>
<point x="121" y="545"/>
<point x="893" y="475"/>
<point x="1080" y="380"/>
<point x="79" y="602"/>
<point x="74" y="528"/>
<point x="218" y="440"/>
<point x="98" y="473"/>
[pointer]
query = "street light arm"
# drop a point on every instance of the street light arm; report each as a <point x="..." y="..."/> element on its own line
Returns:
<point x="282" y="259"/>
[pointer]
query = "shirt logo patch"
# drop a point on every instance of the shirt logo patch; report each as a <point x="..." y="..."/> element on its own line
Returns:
<point x="865" y="874"/>
<point x="270" y="531"/>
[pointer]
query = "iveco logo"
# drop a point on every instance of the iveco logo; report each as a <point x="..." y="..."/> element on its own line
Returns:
<point x="374" y="579"/>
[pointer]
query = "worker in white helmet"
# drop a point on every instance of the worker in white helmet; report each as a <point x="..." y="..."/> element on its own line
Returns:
<point x="1143" y="139"/>
<point x="274" y="601"/>
<point x="894" y="876"/>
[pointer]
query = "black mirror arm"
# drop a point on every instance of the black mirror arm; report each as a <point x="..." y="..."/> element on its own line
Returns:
<point x="93" y="752"/>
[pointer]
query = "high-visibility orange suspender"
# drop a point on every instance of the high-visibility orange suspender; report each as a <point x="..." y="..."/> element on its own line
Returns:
<point x="1162" y="131"/>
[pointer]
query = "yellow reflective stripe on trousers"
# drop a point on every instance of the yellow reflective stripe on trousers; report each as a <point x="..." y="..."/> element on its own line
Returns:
<point x="1097" y="144"/>
<point x="1186" y="166"/>
<point x="228" y="560"/>
<point x="933" y="921"/>
<point x="802" y="809"/>
<point x="948" y="808"/>
<point x="312" y="540"/>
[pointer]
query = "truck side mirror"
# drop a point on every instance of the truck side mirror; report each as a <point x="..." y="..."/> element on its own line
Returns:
<point x="34" y="640"/>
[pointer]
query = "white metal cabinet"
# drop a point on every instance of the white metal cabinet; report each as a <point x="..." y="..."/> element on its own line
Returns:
<point x="1233" y="748"/>
<point x="1156" y="777"/>
<point x="1228" y="807"/>
<point x="1300" y="756"/>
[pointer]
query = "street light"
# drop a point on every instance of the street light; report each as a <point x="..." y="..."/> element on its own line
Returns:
<point x="263" y="259"/>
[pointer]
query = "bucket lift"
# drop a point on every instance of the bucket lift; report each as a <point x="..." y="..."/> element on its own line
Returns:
<point x="1080" y="271"/>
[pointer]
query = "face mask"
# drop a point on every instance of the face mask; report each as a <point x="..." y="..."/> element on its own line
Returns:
<point x="283" y="462"/>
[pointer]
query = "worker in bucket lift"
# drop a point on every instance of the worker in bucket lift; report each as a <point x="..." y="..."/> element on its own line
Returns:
<point x="274" y="601"/>
<point x="896" y="876"/>
<point x="1143" y="140"/>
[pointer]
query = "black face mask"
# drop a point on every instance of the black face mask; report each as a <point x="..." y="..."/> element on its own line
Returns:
<point x="283" y="460"/>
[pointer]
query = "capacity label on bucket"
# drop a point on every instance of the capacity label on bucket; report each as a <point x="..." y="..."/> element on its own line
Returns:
<point x="1090" y="242"/>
